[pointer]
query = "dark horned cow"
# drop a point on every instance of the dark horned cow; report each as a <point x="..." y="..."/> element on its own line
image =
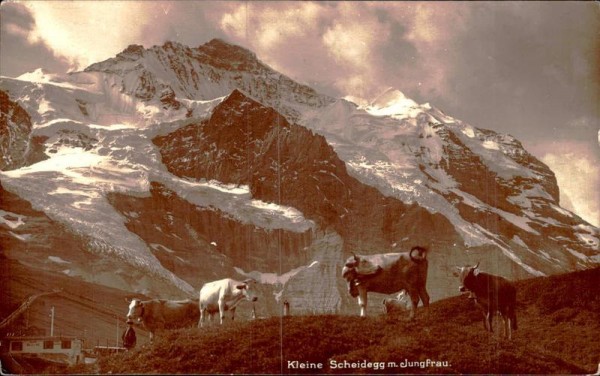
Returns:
<point x="388" y="273"/>
<point x="493" y="294"/>
<point x="224" y="295"/>
<point x="158" y="314"/>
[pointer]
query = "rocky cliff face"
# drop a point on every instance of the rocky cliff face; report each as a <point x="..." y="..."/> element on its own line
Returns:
<point x="245" y="142"/>
<point x="17" y="148"/>
<point x="39" y="242"/>
<point x="203" y="244"/>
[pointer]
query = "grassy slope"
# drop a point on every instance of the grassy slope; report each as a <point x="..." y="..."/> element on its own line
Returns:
<point x="559" y="320"/>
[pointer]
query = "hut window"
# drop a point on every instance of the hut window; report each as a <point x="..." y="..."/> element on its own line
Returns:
<point x="65" y="344"/>
<point x="48" y="345"/>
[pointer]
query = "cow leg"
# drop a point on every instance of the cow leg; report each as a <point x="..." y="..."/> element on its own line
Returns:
<point x="233" y="313"/>
<point x="504" y="325"/>
<point x="490" y="319"/>
<point x="362" y="301"/>
<point x="424" y="296"/>
<point x="201" y="321"/>
<point x="507" y="318"/>
<point x="414" y="302"/>
<point x="208" y="316"/>
<point x="160" y="328"/>
<point x="222" y="310"/>
<point x="512" y="316"/>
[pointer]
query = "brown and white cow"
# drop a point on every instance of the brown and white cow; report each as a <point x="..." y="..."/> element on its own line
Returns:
<point x="158" y="314"/>
<point x="224" y="295"/>
<point x="388" y="273"/>
<point x="493" y="294"/>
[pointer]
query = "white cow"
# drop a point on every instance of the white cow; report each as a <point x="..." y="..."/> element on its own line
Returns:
<point x="224" y="295"/>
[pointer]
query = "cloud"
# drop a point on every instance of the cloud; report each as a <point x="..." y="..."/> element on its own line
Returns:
<point x="350" y="46"/>
<point x="431" y="30"/>
<point x="269" y="26"/>
<point x="353" y="40"/>
<point x="87" y="32"/>
<point x="526" y="68"/>
<point x="584" y="122"/>
<point x="21" y="50"/>
<point x="577" y="170"/>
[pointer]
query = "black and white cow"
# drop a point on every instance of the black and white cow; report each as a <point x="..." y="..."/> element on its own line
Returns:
<point x="388" y="273"/>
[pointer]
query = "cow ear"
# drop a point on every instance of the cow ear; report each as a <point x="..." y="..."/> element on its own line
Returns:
<point x="457" y="270"/>
<point x="475" y="269"/>
<point x="241" y="287"/>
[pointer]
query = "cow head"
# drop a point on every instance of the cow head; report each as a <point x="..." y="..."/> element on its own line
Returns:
<point x="349" y="270"/>
<point x="355" y="268"/>
<point x="136" y="311"/>
<point x="247" y="288"/>
<point x="463" y="272"/>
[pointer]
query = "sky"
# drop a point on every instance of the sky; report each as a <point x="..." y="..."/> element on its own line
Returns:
<point x="529" y="69"/>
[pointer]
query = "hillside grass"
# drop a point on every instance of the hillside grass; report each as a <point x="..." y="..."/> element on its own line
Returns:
<point x="559" y="322"/>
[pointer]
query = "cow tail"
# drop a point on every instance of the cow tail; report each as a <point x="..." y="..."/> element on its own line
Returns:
<point x="421" y="254"/>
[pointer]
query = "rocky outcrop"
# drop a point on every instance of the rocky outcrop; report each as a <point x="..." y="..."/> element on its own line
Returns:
<point x="200" y="244"/>
<point x="39" y="242"/>
<point x="17" y="149"/>
<point x="519" y="211"/>
<point x="245" y="142"/>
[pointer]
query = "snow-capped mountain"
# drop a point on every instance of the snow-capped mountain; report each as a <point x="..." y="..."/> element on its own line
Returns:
<point x="163" y="168"/>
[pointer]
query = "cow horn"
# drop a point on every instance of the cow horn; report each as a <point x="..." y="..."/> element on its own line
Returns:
<point x="355" y="256"/>
<point x="477" y="265"/>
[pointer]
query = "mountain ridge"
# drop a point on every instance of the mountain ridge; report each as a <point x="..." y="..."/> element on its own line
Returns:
<point x="149" y="124"/>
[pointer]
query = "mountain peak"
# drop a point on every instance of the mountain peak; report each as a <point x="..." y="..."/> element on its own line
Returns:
<point x="391" y="97"/>
<point x="218" y="44"/>
<point x="393" y="102"/>
<point x="133" y="49"/>
<point x="229" y="56"/>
